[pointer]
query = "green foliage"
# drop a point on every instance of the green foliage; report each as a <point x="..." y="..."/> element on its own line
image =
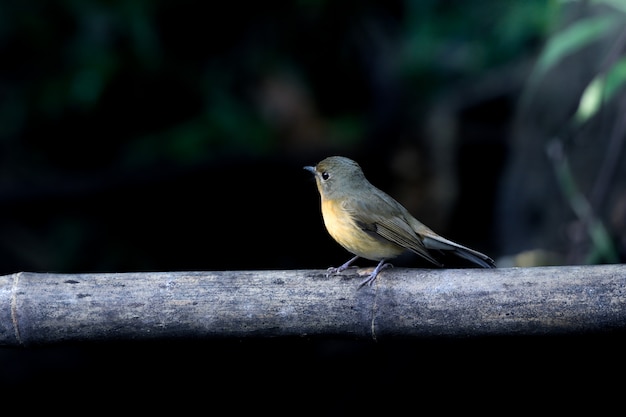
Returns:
<point x="466" y="38"/>
<point x="602" y="249"/>
<point x="149" y="81"/>
<point x="573" y="38"/>
<point x="601" y="90"/>
<point x="605" y="86"/>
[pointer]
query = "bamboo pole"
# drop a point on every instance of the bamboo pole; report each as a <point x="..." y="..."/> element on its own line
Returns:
<point x="40" y="308"/>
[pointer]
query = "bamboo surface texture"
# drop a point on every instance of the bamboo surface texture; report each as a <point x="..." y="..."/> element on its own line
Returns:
<point x="38" y="308"/>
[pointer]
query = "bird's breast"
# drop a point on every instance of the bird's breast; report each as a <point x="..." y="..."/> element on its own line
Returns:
<point x="343" y="228"/>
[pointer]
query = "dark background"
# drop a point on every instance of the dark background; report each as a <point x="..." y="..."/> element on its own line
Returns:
<point x="157" y="136"/>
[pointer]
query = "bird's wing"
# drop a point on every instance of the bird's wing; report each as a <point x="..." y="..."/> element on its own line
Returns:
<point x="384" y="218"/>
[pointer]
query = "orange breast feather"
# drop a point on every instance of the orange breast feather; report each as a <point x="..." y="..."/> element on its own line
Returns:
<point x="342" y="227"/>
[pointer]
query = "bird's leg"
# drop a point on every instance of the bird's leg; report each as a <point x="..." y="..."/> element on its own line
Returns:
<point x="372" y="277"/>
<point x="332" y="270"/>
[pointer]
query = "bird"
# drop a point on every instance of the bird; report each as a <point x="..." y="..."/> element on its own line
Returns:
<point x="371" y="224"/>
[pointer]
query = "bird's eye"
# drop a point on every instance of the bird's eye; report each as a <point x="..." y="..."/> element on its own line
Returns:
<point x="325" y="175"/>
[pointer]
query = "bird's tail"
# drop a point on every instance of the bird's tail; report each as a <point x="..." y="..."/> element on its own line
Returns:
<point x="440" y="243"/>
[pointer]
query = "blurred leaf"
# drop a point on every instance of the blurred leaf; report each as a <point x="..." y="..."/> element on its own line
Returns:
<point x="347" y="130"/>
<point x="87" y="85"/>
<point x="617" y="4"/>
<point x="143" y="34"/>
<point x="615" y="78"/>
<point x="601" y="90"/>
<point x="571" y="39"/>
<point x="603" y="248"/>
<point x="465" y="39"/>
<point x="590" y="100"/>
<point x="574" y="38"/>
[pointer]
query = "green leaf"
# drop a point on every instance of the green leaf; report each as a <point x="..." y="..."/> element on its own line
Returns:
<point x="572" y="39"/>
<point x="601" y="90"/>
<point x="615" y="78"/>
<point x="616" y="4"/>
<point x="591" y="100"/>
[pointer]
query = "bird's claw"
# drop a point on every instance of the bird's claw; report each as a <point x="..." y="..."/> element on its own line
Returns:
<point x="332" y="271"/>
<point x="336" y="270"/>
<point x="369" y="281"/>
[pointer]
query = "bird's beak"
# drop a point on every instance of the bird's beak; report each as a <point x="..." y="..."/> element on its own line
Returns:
<point x="311" y="170"/>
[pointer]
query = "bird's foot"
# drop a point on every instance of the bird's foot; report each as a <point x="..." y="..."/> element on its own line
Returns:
<point x="372" y="277"/>
<point x="334" y="271"/>
<point x="337" y="270"/>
